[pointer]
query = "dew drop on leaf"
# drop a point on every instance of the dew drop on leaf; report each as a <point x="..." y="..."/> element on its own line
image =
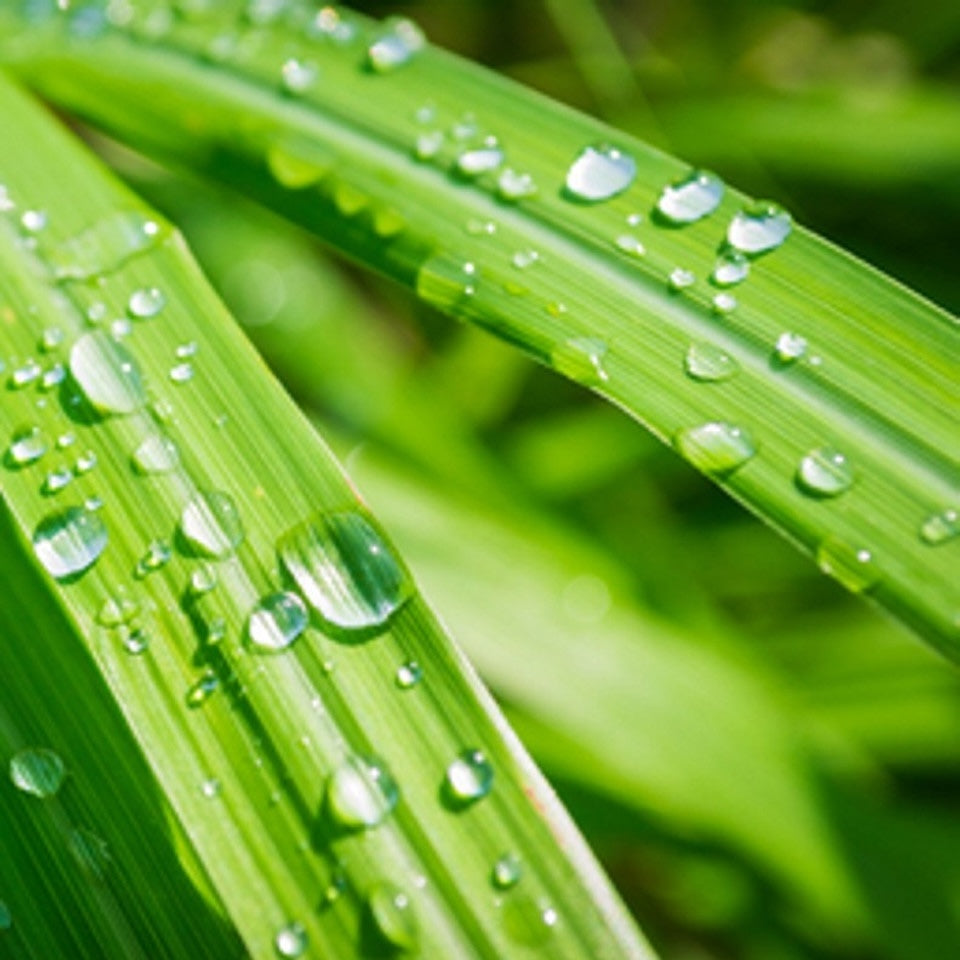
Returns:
<point x="27" y="446"/>
<point x="202" y="689"/>
<point x="291" y="941"/>
<point x="146" y="302"/>
<point x="107" y="374"/>
<point x="790" y="347"/>
<point x="850" y="565"/>
<point x="468" y="778"/>
<point x="581" y="359"/>
<point x="211" y="524"/>
<point x="708" y="362"/>
<point x="361" y="793"/>
<point x="393" y="916"/>
<point x="506" y="872"/>
<point x="409" y="675"/>
<point x="824" y="472"/>
<point x="70" y="541"/>
<point x="760" y="227"/>
<point x="277" y="621"/>
<point x="680" y="279"/>
<point x="940" y="527"/>
<point x="157" y="453"/>
<point x="429" y="144"/>
<point x="514" y="186"/>
<point x="297" y="77"/>
<point x="600" y="172"/>
<point x="56" y="480"/>
<point x="472" y="163"/>
<point x="628" y="243"/>
<point x="724" y="303"/>
<point x="716" y="447"/>
<point x="395" y="47"/>
<point x="182" y="373"/>
<point x="690" y="198"/>
<point x="25" y="374"/>
<point x="37" y="771"/>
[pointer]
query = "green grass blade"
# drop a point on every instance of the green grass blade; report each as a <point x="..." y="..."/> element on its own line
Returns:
<point x="110" y="339"/>
<point x="373" y="162"/>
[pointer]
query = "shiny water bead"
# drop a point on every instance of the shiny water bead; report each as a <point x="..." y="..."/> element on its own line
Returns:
<point x="157" y="453"/>
<point x="28" y="372"/>
<point x="109" y="243"/>
<point x="724" y="303"/>
<point x="853" y="566"/>
<point x="393" y="916"/>
<point x="37" y="771"/>
<point x="33" y="221"/>
<point x="680" y="279"/>
<point x="940" y="527"/>
<point x="211" y="788"/>
<point x="182" y="373"/>
<point x="346" y="569"/>
<point x="146" y="302"/>
<point x="730" y="269"/>
<point x="297" y="77"/>
<point x="514" y="186"/>
<point x="90" y="851"/>
<point x="790" y="347"/>
<point x="158" y="554"/>
<point x="691" y="198"/>
<point x="57" y="480"/>
<point x="408" y="675"/>
<point x="210" y="523"/>
<point x="429" y="144"/>
<point x="277" y="621"/>
<point x="507" y="871"/>
<point x="468" y="778"/>
<point x="825" y="472"/>
<point x="27" y="446"/>
<point x="204" y="688"/>
<point x="628" y="243"/>
<point x="86" y="462"/>
<point x="51" y="338"/>
<point x="581" y="359"/>
<point x="70" y="541"/>
<point x="6" y="203"/>
<point x="523" y="259"/>
<point x="53" y="377"/>
<point x="291" y="941"/>
<point x="708" y="362"/>
<point x="600" y="172"/>
<point x="716" y="447"/>
<point x="478" y="228"/>
<point x="119" y="608"/>
<point x="396" y="47"/>
<point x="760" y="227"/>
<point x="203" y="579"/>
<point x="136" y="641"/>
<point x="472" y="163"/>
<point x="361" y="793"/>
<point x="329" y="24"/>
<point x="107" y="374"/>
<point x="529" y="921"/>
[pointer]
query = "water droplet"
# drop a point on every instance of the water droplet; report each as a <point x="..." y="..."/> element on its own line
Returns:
<point x="291" y="940"/>
<point x="628" y="243"/>
<point x="136" y="641"/>
<point x="156" y="454"/>
<point x="730" y="269"/>
<point x="51" y="338"/>
<point x="514" y="186"/>
<point x="25" y="374"/>
<point x="429" y="144"/>
<point x="472" y="163"/>
<point x="529" y="921"/>
<point x="37" y="771"/>
<point x="157" y="556"/>
<point x="716" y="447"/>
<point x="86" y="462"/>
<point x="329" y="24"/>
<point x="117" y="609"/>
<point x="211" y="788"/>
<point x="346" y="569"/>
<point x="599" y="173"/>
<point x="90" y="851"/>
<point x="56" y="480"/>
<point x="203" y="579"/>
<point x="361" y="793"/>
<point x="26" y="447"/>
<point x="33" y="221"/>
<point x="182" y="373"/>
<point x="409" y="674"/>
<point x="760" y="227"/>
<point x="477" y="227"/>
<point x="277" y="621"/>
<point x="469" y="778"/>
<point x="724" y="303"/>
<point x="680" y="279"/>
<point x="825" y="472"/>
<point x="146" y="302"/>
<point x="297" y="77"/>
<point x="581" y="359"/>
<point x="201" y="691"/>
<point x="523" y="259"/>
<point x="691" y="198"/>
<point x="106" y="245"/>
<point x="854" y="567"/>
<point x="706" y="361"/>
<point x="790" y="347"/>
<point x="393" y="916"/>
<point x="107" y="374"/>
<point x="53" y="377"/>
<point x="69" y="541"/>
<point x="211" y="525"/>
<point x="940" y="527"/>
<point x="397" y="47"/>
<point x="506" y="871"/>
<point x="296" y="164"/>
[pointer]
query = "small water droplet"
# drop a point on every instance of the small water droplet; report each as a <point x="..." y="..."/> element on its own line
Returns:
<point x="429" y="144"/>
<point x="182" y="373"/>
<point x="107" y="374"/>
<point x="201" y="691"/>
<point x="146" y="302"/>
<point x="506" y="871"/>
<point x="53" y="377"/>
<point x="108" y="244"/>
<point x="628" y="243"/>
<point x="514" y="186"/>
<point x="156" y="454"/>
<point x="581" y="359"/>
<point x="277" y="621"/>
<point x="730" y="269"/>
<point x="716" y="447"/>
<point x="291" y="940"/>
<point x="86" y="462"/>
<point x="472" y="163"/>
<point x="361" y="793"/>
<point x="724" y="303"/>
<point x="346" y="569"/>
<point x="211" y="788"/>
<point x="298" y="77"/>
<point x="468" y="778"/>
<point x="396" y="47"/>
<point x="599" y="173"/>
<point x="37" y="771"/>
<point x="409" y="674"/>
<point x="523" y="259"/>
<point x="478" y="228"/>
<point x="211" y="524"/>
<point x="790" y="347"/>
<point x="203" y="579"/>
<point x="51" y="338"/>
<point x="33" y="221"/>
<point x="760" y="227"/>
<point x="634" y="219"/>
<point x="69" y="541"/>
<point x="680" y="279"/>
<point x="25" y="374"/>
<point x="294" y="164"/>
<point x="940" y="527"/>
<point x="852" y="566"/>
<point x="119" y="608"/>
<point x="690" y="198"/>
<point x="708" y="362"/>
<point x="825" y="472"/>
<point x="136" y="641"/>
<point x="157" y="556"/>
<point x="529" y="921"/>
<point x="56" y="480"/>
<point x="26" y="447"/>
<point x="393" y="916"/>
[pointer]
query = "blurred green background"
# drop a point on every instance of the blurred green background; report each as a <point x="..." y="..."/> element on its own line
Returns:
<point x="767" y="767"/>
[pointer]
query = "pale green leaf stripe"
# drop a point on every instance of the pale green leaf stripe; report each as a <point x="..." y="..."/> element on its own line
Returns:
<point x="243" y="771"/>
<point x="878" y="381"/>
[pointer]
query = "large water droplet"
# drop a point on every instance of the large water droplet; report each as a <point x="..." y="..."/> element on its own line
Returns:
<point x="706" y="361"/>
<point x="396" y="47"/>
<point x="468" y="778"/>
<point x="716" y="447"/>
<point x="940" y="527"/>
<point x="211" y="524"/>
<point x="691" y="198"/>
<point x="599" y="173"/>
<point x="361" y="793"/>
<point x="581" y="359"/>
<point x="277" y="621"/>
<point x="37" y="771"/>
<point x="156" y="454"/>
<point x="107" y="374"/>
<point x="850" y="565"/>
<point x="346" y="569"/>
<point x="506" y="871"/>
<point x="26" y="447"/>
<point x="105" y="246"/>
<point x="760" y="227"/>
<point x="825" y="472"/>
<point x="70" y="541"/>
<point x="730" y="269"/>
<point x="291" y="941"/>
<point x="471" y="163"/>
<point x="393" y="916"/>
